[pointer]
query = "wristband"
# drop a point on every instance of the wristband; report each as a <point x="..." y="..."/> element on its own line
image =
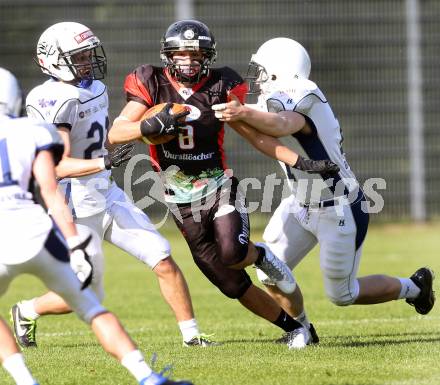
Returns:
<point x="102" y="163"/>
<point x="73" y="241"/>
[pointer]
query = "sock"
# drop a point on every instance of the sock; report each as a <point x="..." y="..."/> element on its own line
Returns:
<point x="27" y="309"/>
<point x="302" y="318"/>
<point x="409" y="289"/>
<point x="136" y="365"/>
<point x="16" y="367"/>
<point x="286" y="322"/>
<point x="188" y="329"/>
<point x="261" y="255"/>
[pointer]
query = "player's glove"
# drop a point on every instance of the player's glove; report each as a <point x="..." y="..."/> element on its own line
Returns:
<point x="119" y="155"/>
<point x="81" y="264"/>
<point x="163" y="123"/>
<point x="316" y="166"/>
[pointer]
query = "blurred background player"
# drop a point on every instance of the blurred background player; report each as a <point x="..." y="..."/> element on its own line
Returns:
<point x="207" y="204"/>
<point x="31" y="243"/>
<point x="335" y="216"/>
<point x="76" y="101"/>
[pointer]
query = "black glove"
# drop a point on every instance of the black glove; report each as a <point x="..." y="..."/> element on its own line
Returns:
<point x="163" y="123"/>
<point x="316" y="166"/>
<point x="81" y="264"/>
<point x="119" y="155"/>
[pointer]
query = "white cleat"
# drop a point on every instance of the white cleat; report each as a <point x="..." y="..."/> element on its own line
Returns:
<point x="277" y="271"/>
<point x="299" y="338"/>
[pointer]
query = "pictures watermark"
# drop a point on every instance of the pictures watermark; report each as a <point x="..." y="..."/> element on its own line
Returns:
<point x="308" y="192"/>
<point x="303" y="195"/>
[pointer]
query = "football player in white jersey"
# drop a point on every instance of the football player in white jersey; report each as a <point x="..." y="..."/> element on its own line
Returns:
<point x="76" y="101"/>
<point x="329" y="211"/>
<point x="33" y="243"/>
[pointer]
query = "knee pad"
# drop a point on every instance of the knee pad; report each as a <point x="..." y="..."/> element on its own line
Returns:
<point x="342" y="292"/>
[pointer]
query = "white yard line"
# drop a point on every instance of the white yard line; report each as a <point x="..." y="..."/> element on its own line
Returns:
<point x="320" y="323"/>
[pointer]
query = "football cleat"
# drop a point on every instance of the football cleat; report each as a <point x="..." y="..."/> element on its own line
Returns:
<point x="423" y="278"/>
<point x="313" y="341"/>
<point x="298" y="338"/>
<point x="24" y="328"/>
<point x="203" y="340"/>
<point x="157" y="379"/>
<point x="276" y="270"/>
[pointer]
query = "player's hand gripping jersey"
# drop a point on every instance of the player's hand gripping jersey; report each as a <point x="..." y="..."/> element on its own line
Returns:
<point x="20" y="141"/>
<point x="325" y="141"/>
<point x="84" y="111"/>
<point x="194" y="163"/>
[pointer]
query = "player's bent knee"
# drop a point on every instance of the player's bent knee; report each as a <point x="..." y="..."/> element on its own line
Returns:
<point x="165" y="267"/>
<point x="235" y="290"/>
<point x="232" y="253"/>
<point x="342" y="301"/>
<point x="342" y="292"/>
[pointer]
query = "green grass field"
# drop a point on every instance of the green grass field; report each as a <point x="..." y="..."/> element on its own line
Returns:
<point x="382" y="344"/>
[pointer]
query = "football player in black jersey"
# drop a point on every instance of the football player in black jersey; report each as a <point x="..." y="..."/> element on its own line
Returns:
<point x="207" y="204"/>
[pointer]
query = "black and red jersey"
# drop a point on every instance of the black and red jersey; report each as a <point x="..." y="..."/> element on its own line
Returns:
<point x="198" y="151"/>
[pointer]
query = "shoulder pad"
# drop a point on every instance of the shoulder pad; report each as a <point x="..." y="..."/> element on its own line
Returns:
<point x="53" y="102"/>
<point x="298" y="96"/>
<point x="136" y="84"/>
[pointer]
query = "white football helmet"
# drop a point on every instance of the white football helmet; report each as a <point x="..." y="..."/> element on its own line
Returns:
<point x="11" y="97"/>
<point x="58" y="49"/>
<point x="278" y="61"/>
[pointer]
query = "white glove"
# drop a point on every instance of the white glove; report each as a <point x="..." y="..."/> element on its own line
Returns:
<point x="80" y="262"/>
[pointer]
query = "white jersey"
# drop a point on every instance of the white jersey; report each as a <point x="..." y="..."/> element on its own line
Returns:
<point x="24" y="225"/>
<point x="304" y="97"/>
<point x="85" y="112"/>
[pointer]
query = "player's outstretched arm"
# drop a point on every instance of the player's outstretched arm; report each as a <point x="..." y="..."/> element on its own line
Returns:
<point x="266" y="144"/>
<point x="273" y="148"/>
<point x="74" y="167"/>
<point x="274" y="124"/>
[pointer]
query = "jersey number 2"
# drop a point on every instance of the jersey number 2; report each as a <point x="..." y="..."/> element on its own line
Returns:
<point x="96" y="126"/>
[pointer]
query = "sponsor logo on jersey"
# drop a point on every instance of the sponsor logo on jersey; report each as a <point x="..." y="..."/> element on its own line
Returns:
<point x="201" y="156"/>
<point x="46" y="103"/>
<point x="194" y="113"/>
<point x="83" y="36"/>
<point x="92" y="110"/>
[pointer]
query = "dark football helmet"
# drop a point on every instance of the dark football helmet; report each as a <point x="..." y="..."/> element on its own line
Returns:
<point x="188" y="35"/>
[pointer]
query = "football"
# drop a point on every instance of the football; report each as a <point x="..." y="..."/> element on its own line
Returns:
<point x="156" y="138"/>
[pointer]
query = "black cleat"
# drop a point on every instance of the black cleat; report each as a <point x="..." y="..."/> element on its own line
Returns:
<point x="314" y="340"/>
<point x="423" y="278"/>
<point x="24" y="328"/>
<point x="202" y="340"/>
